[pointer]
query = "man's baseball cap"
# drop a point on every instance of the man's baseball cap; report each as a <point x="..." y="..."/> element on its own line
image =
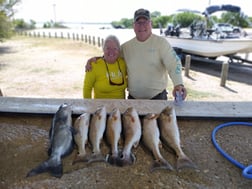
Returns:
<point x="141" y="13"/>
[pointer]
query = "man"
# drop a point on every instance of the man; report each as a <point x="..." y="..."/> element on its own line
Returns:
<point x="150" y="59"/>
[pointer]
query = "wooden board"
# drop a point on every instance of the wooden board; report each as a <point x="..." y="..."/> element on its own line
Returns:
<point x="189" y="109"/>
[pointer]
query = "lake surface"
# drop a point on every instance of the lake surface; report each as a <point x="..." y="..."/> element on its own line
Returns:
<point x="96" y="30"/>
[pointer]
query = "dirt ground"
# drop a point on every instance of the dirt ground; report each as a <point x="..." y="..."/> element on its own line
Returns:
<point x="55" y="69"/>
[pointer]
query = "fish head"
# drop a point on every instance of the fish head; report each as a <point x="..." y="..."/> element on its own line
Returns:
<point x="151" y="116"/>
<point x="100" y="112"/>
<point x="84" y="118"/>
<point x="131" y="111"/>
<point x="115" y="114"/>
<point x="166" y="114"/>
<point x="130" y="114"/>
<point x="167" y="110"/>
<point x="65" y="109"/>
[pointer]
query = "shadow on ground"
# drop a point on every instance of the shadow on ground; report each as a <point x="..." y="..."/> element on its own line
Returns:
<point x="239" y="72"/>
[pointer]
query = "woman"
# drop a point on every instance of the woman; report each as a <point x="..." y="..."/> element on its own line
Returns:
<point x="108" y="78"/>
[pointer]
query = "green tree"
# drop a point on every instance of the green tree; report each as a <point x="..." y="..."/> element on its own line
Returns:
<point x="6" y="13"/>
<point x="123" y="23"/>
<point x="235" y="19"/>
<point x="161" y="20"/>
<point x="185" y="19"/>
<point x="20" y="24"/>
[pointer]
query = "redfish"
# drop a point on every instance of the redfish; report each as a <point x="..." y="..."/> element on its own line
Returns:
<point x="151" y="140"/>
<point x="113" y="134"/>
<point x="132" y="135"/>
<point x="81" y="126"/>
<point x="170" y="135"/>
<point x="96" y="132"/>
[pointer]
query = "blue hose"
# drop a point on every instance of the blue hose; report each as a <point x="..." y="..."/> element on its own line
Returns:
<point x="247" y="171"/>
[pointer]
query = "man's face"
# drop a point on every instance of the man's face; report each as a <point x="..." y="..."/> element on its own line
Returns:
<point x="142" y="28"/>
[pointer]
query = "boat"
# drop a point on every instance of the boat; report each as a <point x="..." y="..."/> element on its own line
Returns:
<point x="222" y="39"/>
<point x="211" y="48"/>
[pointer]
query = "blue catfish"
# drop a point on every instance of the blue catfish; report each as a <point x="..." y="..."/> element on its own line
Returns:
<point x="61" y="143"/>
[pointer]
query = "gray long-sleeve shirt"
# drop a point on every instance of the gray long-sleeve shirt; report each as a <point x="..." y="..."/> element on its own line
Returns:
<point x="148" y="65"/>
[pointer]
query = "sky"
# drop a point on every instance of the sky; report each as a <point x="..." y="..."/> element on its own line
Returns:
<point x="106" y="11"/>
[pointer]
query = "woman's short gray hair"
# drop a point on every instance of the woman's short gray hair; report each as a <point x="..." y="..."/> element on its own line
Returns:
<point x="111" y="38"/>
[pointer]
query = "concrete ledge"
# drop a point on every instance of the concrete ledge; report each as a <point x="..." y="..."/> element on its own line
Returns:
<point x="189" y="109"/>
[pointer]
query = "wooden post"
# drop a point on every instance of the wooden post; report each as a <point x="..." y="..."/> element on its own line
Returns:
<point x="187" y="65"/>
<point x="99" y="41"/>
<point x="247" y="56"/>
<point x="102" y="42"/>
<point x="224" y="73"/>
<point x="89" y="39"/>
<point x="86" y="38"/>
<point x="94" y="40"/>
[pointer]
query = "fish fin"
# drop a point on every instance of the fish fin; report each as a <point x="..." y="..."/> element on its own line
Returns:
<point x="47" y="166"/>
<point x="136" y="144"/>
<point x="96" y="158"/>
<point x="160" y="144"/>
<point x="185" y="162"/>
<point x="161" y="164"/>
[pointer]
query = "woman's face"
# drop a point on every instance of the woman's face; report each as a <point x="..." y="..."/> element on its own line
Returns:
<point x="111" y="51"/>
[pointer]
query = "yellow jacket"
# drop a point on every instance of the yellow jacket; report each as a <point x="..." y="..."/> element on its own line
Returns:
<point x="98" y="80"/>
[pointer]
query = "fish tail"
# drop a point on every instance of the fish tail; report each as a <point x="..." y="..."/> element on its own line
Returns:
<point x="124" y="160"/>
<point x="111" y="159"/>
<point x="80" y="158"/>
<point x="161" y="164"/>
<point x="185" y="162"/>
<point x="47" y="166"/>
<point x="96" y="158"/>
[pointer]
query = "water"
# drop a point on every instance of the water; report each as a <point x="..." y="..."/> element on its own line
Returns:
<point x="96" y="30"/>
